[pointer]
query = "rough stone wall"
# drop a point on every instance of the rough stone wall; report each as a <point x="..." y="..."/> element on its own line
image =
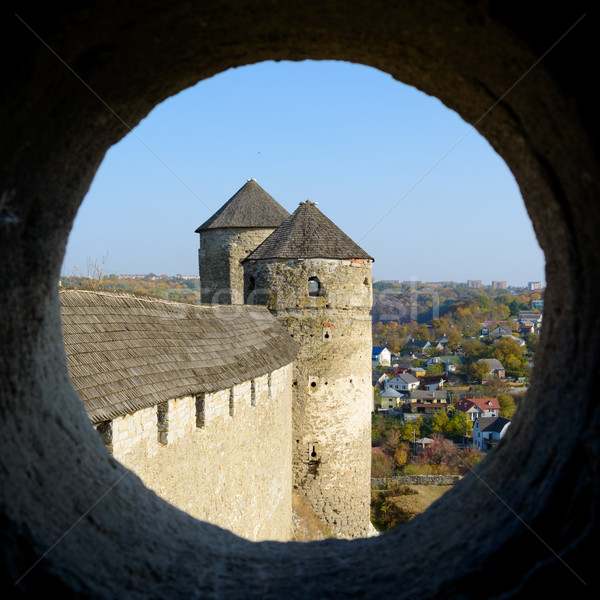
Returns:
<point x="219" y="260"/>
<point x="332" y="381"/>
<point x="133" y="545"/>
<point x="223" y="457"/>
<point x="138" y="431"/>
<point x="384" y="482"/>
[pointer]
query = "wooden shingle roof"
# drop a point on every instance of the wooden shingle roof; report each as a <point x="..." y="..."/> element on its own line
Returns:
<point x="126" y="353"/>
<point x="308" y="233"/>
<point x="250" y="206"/>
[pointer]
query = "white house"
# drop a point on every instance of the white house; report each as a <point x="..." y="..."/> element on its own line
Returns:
<point x="488" y="431"/>
<point x="381" y="356"/>
<point x="405" y="382"/>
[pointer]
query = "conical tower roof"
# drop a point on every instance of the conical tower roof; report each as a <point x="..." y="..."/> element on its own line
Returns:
<point x="308" y="233"/>
<point x="250" y="206"/>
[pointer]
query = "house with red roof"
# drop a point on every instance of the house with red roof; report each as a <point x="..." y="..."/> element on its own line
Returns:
<point x="479" y="407"/>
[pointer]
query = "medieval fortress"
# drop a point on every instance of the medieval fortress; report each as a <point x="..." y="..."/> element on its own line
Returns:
<point x="226" y="408"/>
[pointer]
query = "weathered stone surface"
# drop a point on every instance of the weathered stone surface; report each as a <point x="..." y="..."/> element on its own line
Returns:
<point x="220" y="256"/>
<point x="232" y="471"/>
<point x="383" y="482"/>
<point x="332" y="380"/>
<point x="520" y="73"/>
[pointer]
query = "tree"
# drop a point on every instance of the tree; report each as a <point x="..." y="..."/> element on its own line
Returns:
<point x="531" y="342"/>
<point x="479" y="370"/>
<point x="421" y="332"/>
<point x="515" y="366"/>
<point x="435" y="369"/>
<point x="410" y="431"/>
<point x="455" y="426"/>
<point x="440" y="423"/>
<point x="460" y="425"/>
<point x="401" y="454"/>
<point x="515" y="306"/>
<point x="381" y="464"/>
<point x="377" y="397"/>
<point x="440" y="451"/>
<point x="483" y="303"/>
<point x="454" y="337"/>
<point x="474" y="349"/>
<point x="507" y="406"/>
<point x="490" y="389"/>
<point x="505" y="347"/>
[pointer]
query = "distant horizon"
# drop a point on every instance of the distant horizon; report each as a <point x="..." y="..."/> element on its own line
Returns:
<point x="375" y="280"/>
<point x="402" y="175"/>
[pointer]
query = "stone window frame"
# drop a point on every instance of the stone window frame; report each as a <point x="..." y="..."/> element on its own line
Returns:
<point x="533" y="163"/>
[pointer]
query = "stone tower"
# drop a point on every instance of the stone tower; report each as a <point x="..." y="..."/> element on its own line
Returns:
<point x="234" y="231"/>
<point x="318" y="283"/>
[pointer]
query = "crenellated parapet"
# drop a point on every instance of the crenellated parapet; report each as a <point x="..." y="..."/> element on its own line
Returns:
<point x="221" y="450"/>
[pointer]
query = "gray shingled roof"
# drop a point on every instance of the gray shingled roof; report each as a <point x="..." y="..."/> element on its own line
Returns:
<point x="492" y="424"/>
<point x="126" y="353"/>
<point x="408" y="378"/>
<point x="250" y="206"/>
<point x="420" y="394"/>
<point x="493" y="363"/>
<point x="308" y="233"/>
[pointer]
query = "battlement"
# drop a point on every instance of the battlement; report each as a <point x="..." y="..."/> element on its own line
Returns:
<point x="222" y="450"/>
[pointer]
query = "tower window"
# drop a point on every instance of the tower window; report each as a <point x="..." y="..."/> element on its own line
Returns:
<point x="314" y="287"/>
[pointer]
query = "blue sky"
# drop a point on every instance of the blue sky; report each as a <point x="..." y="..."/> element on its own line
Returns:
<point x="349" y="137"/>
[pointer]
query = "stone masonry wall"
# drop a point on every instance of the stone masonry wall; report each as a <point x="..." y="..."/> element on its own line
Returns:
<point x="223" y="457"/>
<point x="219" y="260"/>
<point x="332" y="381"/>
<point x="138" y="431"/>
<point x="384" y="482"/>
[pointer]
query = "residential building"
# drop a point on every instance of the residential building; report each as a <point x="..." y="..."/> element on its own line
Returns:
<point x="433" y="382"/>
<point x="404" y="382"/>
<point x="451" y="363"/>
<point x="381" y="357"/>
<point x="427" y="407"/>
<point x="479" y="407"/>
<point x="488" y="431"/>
<point x="496" y="367"/>
<point x="390" y="399"/>
<point x="500" y="331"/>
<point x="428" y="395"/>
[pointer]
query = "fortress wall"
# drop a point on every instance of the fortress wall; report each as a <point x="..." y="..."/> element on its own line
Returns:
<point x="176" y="419"/>
<point x="233" y="471"/>
<point x="138" y="431"/>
